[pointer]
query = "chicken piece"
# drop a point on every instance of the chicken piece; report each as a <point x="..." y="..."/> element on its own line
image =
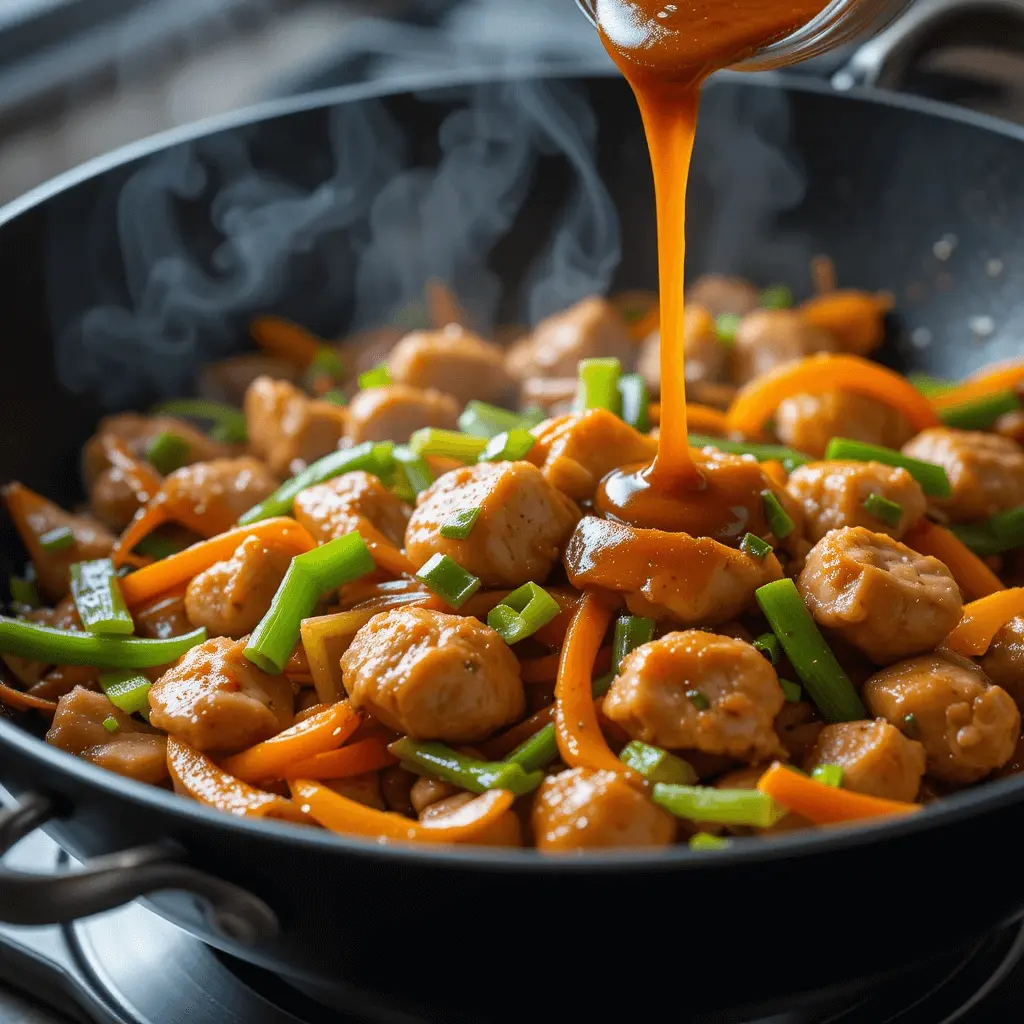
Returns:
<point x="426" y="791"/>
<point x="879" y="595"/>
<point x="113" y="500"/>
<point x="700" y="691"/>
<point x="555" y="395"/>
<point x="34" y="517"/>
<point x="395" y="412"/>
<point x="504" y="831"/>
<point x="522" y="526"/>
<point x="1004" y="661"/>
<point x="719" y="294"/>
<point x="968" y="726"/>
<point x="808" y="422"/>
<point x="855" y="319"/>
<point x="163" y="618"/>
<point x="133" y="750"/>
<point x="591" y="329"/>
<point x="1015" y="765"/>
<point x="798" y="726"/>
<point x="455" y="361"/>
<point x="364" y="789"/>
<point x="396" y="785"/>
<point x="214" y="699"/>
<point x="768" y="338"/>
<point x="433" y="676"/>
<point x="575" y="452"/>
<point x="691" y="580"/>
<point x="287" y="428"/>
<point x="832" y="495"/>
<point x="231" y="597"/>
<point x="337" y="507"/>
<point x="986" y="471"/>
<point x="229" y="379"/>
<point x="581" y="809"/>
<point x="707" y="359"/>
<point x="876" y="758"/>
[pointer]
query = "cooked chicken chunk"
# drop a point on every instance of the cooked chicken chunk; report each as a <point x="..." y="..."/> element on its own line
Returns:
<point x="986" y="471"/>
<point x="133" y="749"/>
<point x="218" y="492"/>
<point x="693" y="581"/>
<point x="337" y="507"/>
<point x="701" y="691"/>
<point x="426" y="791"/>
<point x="707" y="358"/>
<point x="395" y="412"/>
<point x="523" y="522"/>
<point x="574" y="452"/>
<point x="164" y="618"/>
<point x="876" y="758"/>
<point x="229" y="379"/>
<point x="770" y="337"/>
<point x="287" y="428"/>
<point x="506" y="830"/>
<point x="832" y="495"/>
<point x="719" y="294"/>
<point x="879" y="595"/>
<point x="1004" y="661"/>
<point x="581" y="809"/>
<point x="214" y="699"/>
<point x="555" y="395"/>
<point x="798" y="726"/>
<point x="432" y="675"/>
<point x="808" y="422"/>
<point x="968" y="726"/>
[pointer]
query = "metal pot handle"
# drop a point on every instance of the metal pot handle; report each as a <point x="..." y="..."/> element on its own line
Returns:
<point x="111" y="881"/>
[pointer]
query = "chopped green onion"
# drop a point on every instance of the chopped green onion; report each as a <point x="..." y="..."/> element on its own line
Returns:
<point x="706" y="841"/>
<point x="335" y="397"/>
<point x="931" y="387"/>
<point x="602" y="684"/>
<point x="829" y="775"/>
<point x="97" y="596"/>
<point x="309" y="577"/>
<point x="58" y="539"/>
<point x="599" y="384"/>
<point x="657" y="765"/>
<point x="885" y="509"/>
<point x="811" y="658"/>
<point x="228" y="422"/>
<point x="480" y="419"/>
<point x="768" y="645"/>
<point x="726" y="326"/>
<point x="168" y="452"/>
<point x="793" y="692"/>
<point x="378" y="377"/>
<point x="24" y="592"/>
<point x="723" y="806"/>
<point x="159" y="546"/>
<point x="635" y="401"/>
<point x="932" y="478"/>
<point x="779" y="520"/>
<point x="110" y="724"/>
<point x="446" y="578"/>
<point x="413" y="467"/>
<point x="449" y="443"/>
<point x="532" y="415"/>
<point x="459" y="525"/>
<point x="980" y="413"/>
<point x="789" y="457"/>
<point x="522" y="613"/>
<point x="755" y="546"/>
<point x="910" y="723"/>
<point x="466" y="772"/>
<point x="631" y="632"/>
<point x="778" y="296"/>
<point x="127" y="691"/>
<point x="326" y="363"/>
<point x="72" y="647"/>
<point x="538" y="751"/>
<point x="508" y="447"/>
<point x="698" y="699"/>
<point x="1001" y="533"/>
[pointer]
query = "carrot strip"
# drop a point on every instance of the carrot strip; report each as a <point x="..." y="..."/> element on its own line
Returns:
<point x="444" y="307"/>
<point x="147" y="519"/>
<point x="384" y="553"/>
<point x="13" y="698"/>
<point x="1007" y="377"/>
<point x="972" y="575"/>
<point x="180" y="568"/>
<point x="273" y="758"/>
<point x="358" y="758"/>
<point x="339" y="814"/>
<point x="759" y="399"/>
<point x="286" y="340"/>
<point x="325" y="638"/>
<point x="702" y="419"/>
<point x="825" y="805"/>
<point x="775" y="471"/>
<point x="545" y="669"/>
<point x="982" y="619"/>
<point x="855" y="319"/>
<point x="140" y="476"/>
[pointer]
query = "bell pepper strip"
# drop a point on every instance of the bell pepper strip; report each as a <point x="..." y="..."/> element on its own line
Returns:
<point x="273" y="758"/>
<point x="98" y="598"/>
<point x="13" y="698"/>
<point x="359" y="758"/>
<point x="325" y="638"/>
<point x="503" y="744"/>
<point x="855" y="319"/>
<point x="195" y="775"/>
<point x="822" y="804"/>
<point x="757" y="401"/>
<point x="286" y="340"/>
<point x="384" y="553"/>
<point x="1008" y="376"/>
<point x="147" y="583"/>
<point x="140" y="476"/>
<point x="470" y="773"/>
<point x="545" y="668"/>
<point x="702" y="419"/>
<point x="982" y="619"/>
<point x="972" y="575"/>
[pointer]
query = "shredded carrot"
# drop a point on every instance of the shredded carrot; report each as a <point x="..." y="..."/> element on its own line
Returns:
<point x="504" y="743"/>
<point x="825" y="805"/>
<point x="149" y="518"/>
<point x="545" y="669"/>
<point x="180" y="568"/>
<point x="1005" y="377"/>
<point x="758" y="400"/>
<point x="358" y="758"/>
<point x="444" y="307"/>
<point x="13" y="698"/>
<point x="140" y="476"/>
<point x="972" y="575"/>
<point x="775" y="471"/>
<point x="273" y="758"/>
<point x="855" y="319"/>
<point x="702" y="419"/>
<point x="325" y="638"/>
<point x="823" y="274"/>
<point x="982" y="619"/>
<point x="286" y="340"/>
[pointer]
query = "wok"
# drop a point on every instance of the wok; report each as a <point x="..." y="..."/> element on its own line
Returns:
<point x="881" y="181"/>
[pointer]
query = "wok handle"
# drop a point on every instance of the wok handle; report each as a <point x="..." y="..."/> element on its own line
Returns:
<point x="111" y="881"/>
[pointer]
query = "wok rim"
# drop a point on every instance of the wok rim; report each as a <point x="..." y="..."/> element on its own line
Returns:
<point x="988" y="798"/>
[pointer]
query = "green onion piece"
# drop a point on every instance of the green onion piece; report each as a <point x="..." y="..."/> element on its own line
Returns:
<point x="449" y="443"/>
<point x="446" y="578"/>
<point x="538" y="751"/>
<point x="931" y="387"/>
<point x="97" y="596"/>
<point x="24" y="592"/>
<point x="793" y="692"/>
<point x="417" y="474"/>
<point x="635" y="401"/>
<point x="778" y="296"/>
<point x="829" y="775"/>
<point x="1001" y="533"/>
<point x="631" y="632"/>
<point x="706" y="841"/>
<point x="602" y="684"/>
<point x="698" y="699"/>
<point x="532" y="415"/>
<point x="910" y="723"/>
<point x="723" y="806"/>
<point x="755" y="546"/>
<point x="309" y="577"/>
<point x="335" y="397"/>
<point x="980" y="413"/>
<point x="726" y="326"/>
<point x="110" y="724"/>
<point x="811" y="658"/>
<point x="58" y="539"/>
<point x="599" y="384"/>
<point x="522" y="613"/>
<point x="885" y="509"/>
<point x="459" y="525"/>
<point x="168" y="452"/>
<point x="466" y="772"/>
<point x="158" y="546"/>
<point x="378" y="377"/>
<point x="932" y="478"/>
<point x="657" y="765"/>
<point x="508" y="447"/>
<point x="326" y="363"/>
<point x="228" y="423"/>
<point x="480" y="419"/>
<point x="72" y="647"/>
<point x="779" y="520"/>
<point x="768" y="645"/>
<point x="789" y="457"/>
<point x="127" y="691"/>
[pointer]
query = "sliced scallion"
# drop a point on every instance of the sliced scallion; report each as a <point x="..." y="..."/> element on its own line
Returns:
<point x="446" y="578"/>
<point x="755" y="546"/>
<point x="657" y="765"/>
<point x="932" y="478"/>
<point x="459" y="525"/>
<point x="599" y="384"/>
<point x="24" y="592"/>
<point x="127" y="691"/>
<point x="793" y="692"/>
<point x="635" y="401"/>
<point x="829" y="775"/>
<point x="722" y="806"/>
<point x="97" y="596"/>
<point x="416" y="473"/>
<point x="980" y="413"/>
<point x="698" y="699"/>
<point x="726" y="326"/>
<point x="884" y="509"/>
<point x="994" y="536"/>
<point x="508" y="447"/>
<point x="168" y="452"/>
<point x="110" y="724"/>
<point x="465" y="772"/>
<point x="779" y="520"/>
<point x="768" y="645"/>
<point x="60" y="538"/>
<point x="631" y="632"/>
<point x="706" y="841"/>
<point x="540" y="750"/>
<point x="448" y="443"/>
<point x="778" y="296"/>
<point x="378" y="377"/>
<point x="522" y="613"/>
<point x="481" y="419"/>
<point x="335" y="397"/>
<point x="227" y="423"/>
